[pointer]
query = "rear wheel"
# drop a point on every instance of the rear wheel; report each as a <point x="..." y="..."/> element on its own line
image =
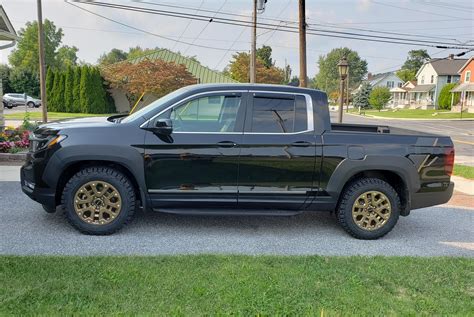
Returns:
<point x="99" y="200"/>
<point x="369" y="208"/>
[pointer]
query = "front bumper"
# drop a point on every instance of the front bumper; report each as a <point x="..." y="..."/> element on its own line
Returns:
<point x="427" y="199"/>
<point x="44" y="196"/>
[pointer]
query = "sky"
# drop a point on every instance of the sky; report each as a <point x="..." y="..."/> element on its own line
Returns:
<point x="93" y="35"/>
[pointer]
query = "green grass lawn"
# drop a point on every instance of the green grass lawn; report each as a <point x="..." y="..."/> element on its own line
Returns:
<point x="416" y="114"/>
<point x="464" y="171"/>
<point x="51" y="115"/>
<point x="238" y="285"/>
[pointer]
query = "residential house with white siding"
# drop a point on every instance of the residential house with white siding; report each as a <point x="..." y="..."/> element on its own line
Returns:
<point x="431" y="78"/>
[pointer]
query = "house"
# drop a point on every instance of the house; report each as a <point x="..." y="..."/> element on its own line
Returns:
<point x="401" y="95"/>
<point x="389" y="80"/>
<point x="203" y="74"/>
<point x="431" y="78"/>
<point x="466" y="86"/>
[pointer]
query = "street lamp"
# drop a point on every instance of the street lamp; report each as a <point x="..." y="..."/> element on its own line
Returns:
<point x="343" y="68"/>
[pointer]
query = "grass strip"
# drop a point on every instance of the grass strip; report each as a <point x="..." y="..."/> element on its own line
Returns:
<point x="51" y="115"/>
<point x="199" y="285"/>
<point x="464" y="171"/>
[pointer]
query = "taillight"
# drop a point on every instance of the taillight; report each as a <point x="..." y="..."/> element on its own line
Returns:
<point x="449" y="161"/>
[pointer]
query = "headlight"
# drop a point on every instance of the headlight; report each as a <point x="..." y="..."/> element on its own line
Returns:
<point x="43" y="142"/>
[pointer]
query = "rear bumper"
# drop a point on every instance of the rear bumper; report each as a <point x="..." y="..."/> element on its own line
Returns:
<point x="44" y="196"/>
<point x="427" y="199"/>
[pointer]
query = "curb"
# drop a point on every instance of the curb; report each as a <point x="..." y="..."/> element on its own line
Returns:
<point x="405" y="119"/>
<point x="12" y="157"/>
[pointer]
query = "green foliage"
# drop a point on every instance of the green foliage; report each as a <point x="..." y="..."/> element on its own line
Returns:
<point x="76" y="92"/>
<point x="5" y="71"/>
<point x="361" y="99"/>
<point x="415" y="59"/>
<point x="328" y="77"/>
<point x="60" y="93"/>
<point x="379" y="97"/>
<point x="406" y="74"/>
<point x="264" y="53"/>
<point x="112" y="57"/>
<point x="69" y="90"/>
<point x="444" y="100"/>
<point x="25" y="55"/>
<point x="24" y="81"/>
<point x="49" y="86"/>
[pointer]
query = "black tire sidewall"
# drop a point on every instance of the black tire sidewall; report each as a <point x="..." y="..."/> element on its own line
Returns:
<point x="98" y="174"/>
<point x="358" y="188"/>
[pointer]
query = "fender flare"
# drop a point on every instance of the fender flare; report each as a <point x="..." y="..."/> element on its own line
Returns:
<point x="347" y="168"/>
<point x="127" y="156"/>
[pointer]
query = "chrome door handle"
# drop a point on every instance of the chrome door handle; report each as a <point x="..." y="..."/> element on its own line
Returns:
<point x="226" y="144"/>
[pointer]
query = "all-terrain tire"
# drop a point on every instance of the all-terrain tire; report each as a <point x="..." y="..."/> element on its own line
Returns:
<point x="352" y="192"/>
<point x="105" y="174"/>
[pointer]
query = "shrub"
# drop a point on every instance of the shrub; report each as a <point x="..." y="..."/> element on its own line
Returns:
<point x="68" y="90"/>
<point x="379" y="97"/>
<point x="444" y="100"/>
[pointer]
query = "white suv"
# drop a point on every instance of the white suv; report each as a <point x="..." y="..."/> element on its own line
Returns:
<point x="14" y="100"/>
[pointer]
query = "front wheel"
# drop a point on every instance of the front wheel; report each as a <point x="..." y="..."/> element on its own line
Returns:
<point x="369" y="208"/>
<point x="99" y="200"/>
<point x="31" y="104"/>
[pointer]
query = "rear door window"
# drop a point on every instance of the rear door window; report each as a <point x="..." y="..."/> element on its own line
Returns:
<point x="278" y="114"/>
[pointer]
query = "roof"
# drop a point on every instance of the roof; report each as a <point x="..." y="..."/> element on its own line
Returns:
<point x="447" y="66"/>
<point x="7" y="32"/>
<point x="203" y="73"/>
<point x="379" y="77"/>
<point x="465" y="65"/>
<point x="463" y="87"/>
<point x="423" y="88"/>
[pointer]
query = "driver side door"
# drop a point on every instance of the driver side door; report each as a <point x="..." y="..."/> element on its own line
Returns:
<point x="197" y="164"/>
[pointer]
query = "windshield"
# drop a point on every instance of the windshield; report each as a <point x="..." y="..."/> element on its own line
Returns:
<point x="143" y="111"/>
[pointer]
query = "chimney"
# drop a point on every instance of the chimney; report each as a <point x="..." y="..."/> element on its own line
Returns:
<point x="451" y="56"/>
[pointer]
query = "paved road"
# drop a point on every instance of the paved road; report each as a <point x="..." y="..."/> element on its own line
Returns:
<point x="462" y="132"/>
<point x="26" y="229"/>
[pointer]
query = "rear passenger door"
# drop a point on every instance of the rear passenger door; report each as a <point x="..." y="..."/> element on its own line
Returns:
<point x="277" y="158"/>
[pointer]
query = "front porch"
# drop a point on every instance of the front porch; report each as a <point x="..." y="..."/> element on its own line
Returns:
<point x="466" y="102"/>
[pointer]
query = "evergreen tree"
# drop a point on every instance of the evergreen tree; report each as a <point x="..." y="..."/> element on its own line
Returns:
<point x="60" y="93"/>
<point x="361" y="99"/>
<point x="53" y="102"/>
<point x="76" y="92"/>
<point x="49" y="85"/>
<point x="68" y="89"/>
<point x="99" y="101"/>
<point x="84" y="95"/>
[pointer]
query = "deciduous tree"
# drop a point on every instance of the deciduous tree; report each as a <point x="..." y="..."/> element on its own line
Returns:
<point x="151" y="76"/>
<point x="379" y="97"/>
<point x="239" y="70"/>
<point x="328" y="77"/>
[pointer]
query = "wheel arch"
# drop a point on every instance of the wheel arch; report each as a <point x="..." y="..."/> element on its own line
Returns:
<point x="399" y="172"/>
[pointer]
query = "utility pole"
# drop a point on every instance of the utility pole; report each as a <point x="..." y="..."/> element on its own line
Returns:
<point x="302" y="32"/>
<point x="253" y="50"/>
<point x="42" y="68"/>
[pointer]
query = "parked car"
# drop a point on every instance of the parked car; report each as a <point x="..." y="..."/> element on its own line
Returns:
<point x="14" y="100"/>
<point x="236" y="149"/>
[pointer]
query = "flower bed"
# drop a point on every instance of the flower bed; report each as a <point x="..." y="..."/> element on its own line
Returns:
<point x="14" y="140"/>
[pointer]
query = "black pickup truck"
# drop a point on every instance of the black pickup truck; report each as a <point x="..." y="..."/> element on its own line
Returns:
<point x="235" y="149"/>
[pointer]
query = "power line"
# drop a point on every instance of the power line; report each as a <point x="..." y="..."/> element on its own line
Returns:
<point x="279" y="14"/>
<point x="230" y="47"/>
<point x="319" y="32"/>
<point x="148" y="32"/>
<point x="413" y="10"/>
<point x="186" y="28"/>
<point x="205" y="26"/>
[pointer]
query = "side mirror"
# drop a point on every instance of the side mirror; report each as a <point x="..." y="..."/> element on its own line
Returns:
<point x="164" y="126"/>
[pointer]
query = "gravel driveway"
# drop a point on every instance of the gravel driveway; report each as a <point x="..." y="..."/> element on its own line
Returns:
<point x="26" y="229"/>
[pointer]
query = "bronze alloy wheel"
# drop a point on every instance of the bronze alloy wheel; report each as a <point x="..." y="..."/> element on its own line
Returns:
<point x="97" y="203"/>
<point x="371" y="210"/>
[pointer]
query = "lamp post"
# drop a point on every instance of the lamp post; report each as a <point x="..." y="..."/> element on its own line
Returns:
<point x="343" y="68"/>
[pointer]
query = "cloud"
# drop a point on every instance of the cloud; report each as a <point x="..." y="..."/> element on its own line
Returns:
<point x="363" y="5"/>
